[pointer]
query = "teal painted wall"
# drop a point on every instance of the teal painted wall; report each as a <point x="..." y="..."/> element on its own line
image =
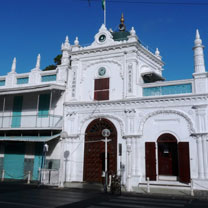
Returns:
<point x="37" y="160"/>
<point x="48" y="78"/>
<point x="17" y="109"/>
<point x="168" y="90"/>
<point x="14" y="160"/>
<point x="22" y="80"/>
<point x="44" y="103"/>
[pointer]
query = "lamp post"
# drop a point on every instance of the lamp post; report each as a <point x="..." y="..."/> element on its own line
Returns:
<point x="106" y="134"/>
<point x="45" y="150"/>
<point x="62" y="170"/>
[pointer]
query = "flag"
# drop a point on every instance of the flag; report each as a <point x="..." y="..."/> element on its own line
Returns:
<point x="103" y="4"/>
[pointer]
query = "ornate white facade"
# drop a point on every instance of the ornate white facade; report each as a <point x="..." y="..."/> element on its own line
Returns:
<point x="159" y="127"/>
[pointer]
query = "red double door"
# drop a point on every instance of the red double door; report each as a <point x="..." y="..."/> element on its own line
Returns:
<point x="94" y="154"/>
<point x="173" y="158"/>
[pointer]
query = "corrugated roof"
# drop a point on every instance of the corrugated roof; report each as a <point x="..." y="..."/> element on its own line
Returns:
<point x="29" y="138"/>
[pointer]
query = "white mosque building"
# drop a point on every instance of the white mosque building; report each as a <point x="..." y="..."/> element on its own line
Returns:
<point x="158" y="129"/>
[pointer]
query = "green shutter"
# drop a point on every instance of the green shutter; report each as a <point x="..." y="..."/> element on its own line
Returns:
<point x="44" y="103"/>
<point x="17" y="109"/>
<point x="37" y="160"/>
<point x="14" y="160"/>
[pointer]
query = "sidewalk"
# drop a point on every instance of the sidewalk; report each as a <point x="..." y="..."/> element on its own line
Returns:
<point x="154" y="191"/>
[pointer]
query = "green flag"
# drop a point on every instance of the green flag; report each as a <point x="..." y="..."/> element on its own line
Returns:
<point x="103" y="4"/>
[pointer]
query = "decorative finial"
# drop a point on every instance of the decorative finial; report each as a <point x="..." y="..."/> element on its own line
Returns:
<point x="122" y="19"/>
<point x="132" y="31"/>
<point x="67" y="39"/>
<point x="122" y="27"/>
<point x="157" y="52"/>
<point x="66" y="44"/>
<point x="76" y="42"/>
<point x="13" y="69"/>
<point x="197" y="41"/>
<point x="38" y="62"/>
<point x="197" y="34"/>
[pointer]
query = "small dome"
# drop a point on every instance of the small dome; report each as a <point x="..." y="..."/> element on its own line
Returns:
<point x="120" y="35"/>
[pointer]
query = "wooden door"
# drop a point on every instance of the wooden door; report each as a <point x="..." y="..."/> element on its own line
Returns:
<point x="167" y="158"/>
<point x="167" y="155"/>
<point x="150" y="160"/>
<point x="184" y="162"/>
<point x="94" y="164"/>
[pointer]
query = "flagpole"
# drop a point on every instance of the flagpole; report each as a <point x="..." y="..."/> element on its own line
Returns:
<point x="105" y="13"/>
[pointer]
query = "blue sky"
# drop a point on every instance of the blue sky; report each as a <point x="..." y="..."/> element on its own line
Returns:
<point x="29" y="27"/>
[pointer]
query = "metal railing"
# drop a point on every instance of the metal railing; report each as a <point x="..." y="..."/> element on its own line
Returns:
<point x="31" y="121"/>
<point x="49" y="176"/>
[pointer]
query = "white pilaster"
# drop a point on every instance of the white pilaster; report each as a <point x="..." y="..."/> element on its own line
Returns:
<point x="205" y="156"/>
<point x="137" y="156"/>
<point x="200" y="157"/>
<point x="133" y="156"/>
<point x="129" y="150"/>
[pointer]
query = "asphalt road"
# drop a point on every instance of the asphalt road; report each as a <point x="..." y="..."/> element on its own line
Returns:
<point x="24" y="196"/>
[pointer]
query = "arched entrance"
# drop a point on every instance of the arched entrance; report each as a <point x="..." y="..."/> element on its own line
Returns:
<point x="173" y="159"/>
<point x="167" y="155"/>
<point x="94" y="160"/>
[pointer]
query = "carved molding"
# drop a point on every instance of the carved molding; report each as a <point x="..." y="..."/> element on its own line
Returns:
<point x="103" y="62"/>
<point x="182" y="114"/>
<point x="106" y="116"/>
<point x="145" y="101"/>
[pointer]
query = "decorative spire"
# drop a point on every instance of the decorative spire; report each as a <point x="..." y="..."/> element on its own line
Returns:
<point x="76" y="42"/>
<point x="66" y="45"/>
<point x="38" y="62"/>
<point x="157" y="53"/>
<point x="67" y="39"/>
<point x="132" y="31"/>
<point x="197" y="41"/>
<point x="199" y="66"/>
<point x="122" y="19"/>
<point x="122" y="27"/>
<point x="66" y="48"/>
<point x="13" y="69"/>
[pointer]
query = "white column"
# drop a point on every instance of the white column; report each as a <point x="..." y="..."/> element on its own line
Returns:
<point x="205" y="156"/>
<point x="128" y="180"/>
<point x="200" y="158"/>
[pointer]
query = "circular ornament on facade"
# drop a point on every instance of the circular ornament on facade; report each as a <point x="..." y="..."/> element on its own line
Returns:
<point x="106" y="132"/>
<point x="101" y="71"/>
<point x="190" y="112"/>
<point x="102" y="38"/>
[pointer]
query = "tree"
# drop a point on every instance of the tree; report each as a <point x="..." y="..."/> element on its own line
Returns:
<point x="57" y="61"/>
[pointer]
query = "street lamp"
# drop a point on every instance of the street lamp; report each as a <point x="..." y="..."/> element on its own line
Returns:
<point x="106" y="134"/>
<point x="43" y="161"/>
